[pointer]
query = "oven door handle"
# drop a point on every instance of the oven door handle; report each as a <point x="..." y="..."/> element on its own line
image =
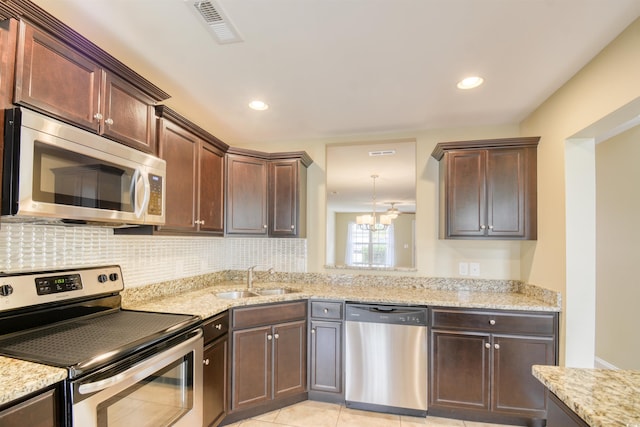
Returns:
<point x="142" y="370"/>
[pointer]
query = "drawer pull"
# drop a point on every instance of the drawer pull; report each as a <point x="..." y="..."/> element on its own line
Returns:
<point x="205" y="362"/>
<point x="325" y="311"/>
<point x="492" y="322"/>
<point x="218" y="326"/>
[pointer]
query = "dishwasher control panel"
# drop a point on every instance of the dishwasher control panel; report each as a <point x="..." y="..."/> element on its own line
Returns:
<point x="389" y="314"/>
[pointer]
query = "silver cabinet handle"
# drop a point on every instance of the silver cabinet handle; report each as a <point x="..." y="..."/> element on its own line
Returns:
<point x="482" y="227"/>
<point x="218" y="326"/>
<point x="313" y="331"/>
<point x="269" y="337"/>
<point x="98" y="116"/>
<point x="492" y="322"/>
<point x="276" y="336"/>
<point x="491" y="227"/>
<point x="205" y="362"/>
<point x="109" y="121"/>
<point x="487" y="345"/>
<point x="496" y="346"/>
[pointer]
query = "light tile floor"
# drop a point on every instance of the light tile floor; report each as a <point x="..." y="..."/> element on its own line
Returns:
<point x="321" y="414"/>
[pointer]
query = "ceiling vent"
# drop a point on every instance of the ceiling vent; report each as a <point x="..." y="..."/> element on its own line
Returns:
<point x="382" y="153"/>
<point x="216" y="21"/>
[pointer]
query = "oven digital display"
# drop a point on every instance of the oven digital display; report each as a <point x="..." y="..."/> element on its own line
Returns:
<point x="56" y="284"/>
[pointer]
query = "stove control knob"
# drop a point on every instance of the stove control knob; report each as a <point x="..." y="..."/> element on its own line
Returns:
<point x="113" y="277"/>
<point x="102" y="278"/>
<point x="6" y="290"/>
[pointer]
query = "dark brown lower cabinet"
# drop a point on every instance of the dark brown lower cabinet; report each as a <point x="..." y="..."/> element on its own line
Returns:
<point x="215" y="369"/>
<point x="214" y="394"/>
<point x="559" y="414"/>
<point x="480" y="371"/>
<point x="269" y="356"/>
<point x="38" y="411"/>
<point x="326" y="356"/>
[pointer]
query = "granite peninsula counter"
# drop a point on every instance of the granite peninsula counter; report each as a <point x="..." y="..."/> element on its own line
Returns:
<point x="601" y="397"/>
<point x="19" y="378"/>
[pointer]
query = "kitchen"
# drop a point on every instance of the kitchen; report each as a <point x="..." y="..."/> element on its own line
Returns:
<point x="603" y="87"/>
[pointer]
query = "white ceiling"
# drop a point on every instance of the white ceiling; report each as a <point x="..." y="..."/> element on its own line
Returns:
<point x="338" y="68"/>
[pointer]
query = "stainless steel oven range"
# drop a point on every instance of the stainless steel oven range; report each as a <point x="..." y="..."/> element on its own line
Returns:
<point x="125" y="368"/>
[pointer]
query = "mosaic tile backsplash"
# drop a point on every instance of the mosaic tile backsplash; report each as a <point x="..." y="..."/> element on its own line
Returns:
<point x="144" y="259"/>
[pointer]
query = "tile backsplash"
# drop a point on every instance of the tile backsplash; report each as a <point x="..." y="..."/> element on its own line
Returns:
<point x="144" y="259"/>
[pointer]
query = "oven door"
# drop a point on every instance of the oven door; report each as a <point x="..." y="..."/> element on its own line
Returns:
<point x="164" y="389"/>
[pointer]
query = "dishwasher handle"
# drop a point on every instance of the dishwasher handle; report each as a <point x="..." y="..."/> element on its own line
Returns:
<point x="387" y="314"/>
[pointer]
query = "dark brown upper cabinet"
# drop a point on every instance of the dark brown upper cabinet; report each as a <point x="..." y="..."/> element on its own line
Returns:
<point x="488" y="188"/>
<point x="195" y="175"/>
<point x="52" y="76"/>
<point x="266" y="193"/>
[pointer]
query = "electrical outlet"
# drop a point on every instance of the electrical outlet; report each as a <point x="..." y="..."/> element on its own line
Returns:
<point x="463" y="268"/>
<point x="474" y="268"/>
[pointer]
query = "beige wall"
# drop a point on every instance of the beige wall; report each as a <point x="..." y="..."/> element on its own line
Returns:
<point x="434" y="257"/>
<point x="617" y="288"/>
<point x="608" y="83"/>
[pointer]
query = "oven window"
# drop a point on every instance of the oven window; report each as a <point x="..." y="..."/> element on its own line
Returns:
<point x="68" y="178"/>
<point x="156" y="401"/>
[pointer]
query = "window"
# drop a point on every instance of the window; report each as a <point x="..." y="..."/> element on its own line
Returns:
<point x="369" y="248"/>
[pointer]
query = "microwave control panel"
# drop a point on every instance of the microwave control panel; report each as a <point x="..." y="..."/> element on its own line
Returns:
<point x="155" y="199"/>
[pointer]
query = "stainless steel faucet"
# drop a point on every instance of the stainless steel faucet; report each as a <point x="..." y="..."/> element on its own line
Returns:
<point x="250" y="276"/>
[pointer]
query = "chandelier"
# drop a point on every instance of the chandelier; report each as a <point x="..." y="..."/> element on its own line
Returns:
<point x="373" y="222"/>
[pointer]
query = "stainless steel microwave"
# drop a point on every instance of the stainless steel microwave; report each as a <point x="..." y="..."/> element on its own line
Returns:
<point x="55" y="171"/>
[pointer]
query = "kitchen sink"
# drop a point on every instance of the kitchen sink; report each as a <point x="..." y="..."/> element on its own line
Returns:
<point x="276" y="291"/>
<point x="236" y="294"/>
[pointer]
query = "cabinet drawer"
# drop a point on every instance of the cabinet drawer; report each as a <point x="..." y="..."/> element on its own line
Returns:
<point x="248" y="317"/>
<point x="327" y="310"/>
<point x="215" y="327"/>
<point x="494" y="321"/>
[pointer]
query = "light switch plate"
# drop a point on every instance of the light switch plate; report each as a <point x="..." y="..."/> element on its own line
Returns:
<point x="474" y="268"/>
<point x="463" y="268"/>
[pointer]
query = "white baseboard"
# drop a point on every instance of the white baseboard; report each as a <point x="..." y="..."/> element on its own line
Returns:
<point x="603" y="364"/>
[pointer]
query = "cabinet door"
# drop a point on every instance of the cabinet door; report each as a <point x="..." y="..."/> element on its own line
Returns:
<point x="211" y="198"/>
<point x="290" y="359"/>
<point x="460" y="370"/>
<point x="246" y="195"/>
<point x="506" y="192"/>
<point x="179" y="149"/>
<point x="514" y="388"/>
<point x="465" y="193"/>
<point x="128" y="115"/>
<point x="54" y="78"/>
<point x="251" y="367"/>
<point x="283" y="198"/>
<point x="326" y="356"/>
<point x="215" y="382"/>
<point x="39" y="411"/>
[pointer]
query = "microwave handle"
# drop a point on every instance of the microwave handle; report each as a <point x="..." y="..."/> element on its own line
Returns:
<point x="138" y="177"/>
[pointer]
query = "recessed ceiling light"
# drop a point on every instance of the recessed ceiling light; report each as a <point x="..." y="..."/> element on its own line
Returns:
<point x="470" y="82"/>
<point x="258" y="105"/>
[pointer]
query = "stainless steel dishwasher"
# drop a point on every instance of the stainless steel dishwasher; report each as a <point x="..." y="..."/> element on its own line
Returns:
<point x="386" y="358"/>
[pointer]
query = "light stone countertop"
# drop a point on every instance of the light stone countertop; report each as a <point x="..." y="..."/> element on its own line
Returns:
<point x="601" y="397"/>
<point x="19" y="378"/>
<point x="203" y="301"/>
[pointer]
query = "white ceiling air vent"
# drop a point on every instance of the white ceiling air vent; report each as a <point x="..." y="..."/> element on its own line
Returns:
<point x="382" y="153"/>
<point x="216" y="21"/>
